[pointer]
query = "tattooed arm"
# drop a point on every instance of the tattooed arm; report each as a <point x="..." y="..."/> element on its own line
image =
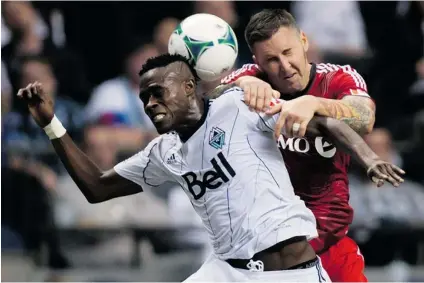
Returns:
<point x="356" y="111"/>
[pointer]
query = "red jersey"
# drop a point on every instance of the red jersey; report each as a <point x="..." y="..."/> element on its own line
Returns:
<point x="318" y="170"/>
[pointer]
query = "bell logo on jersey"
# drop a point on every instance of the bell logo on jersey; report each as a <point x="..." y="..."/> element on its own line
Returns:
<point x="301" y="145"/>
<point x="212" y="179"/>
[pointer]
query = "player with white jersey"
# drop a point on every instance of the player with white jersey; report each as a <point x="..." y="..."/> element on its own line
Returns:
<point x="215" y="150"/>
<point x="221" y="168"/>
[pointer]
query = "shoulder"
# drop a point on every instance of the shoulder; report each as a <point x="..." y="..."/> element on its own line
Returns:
<point x="160" y="145"/>
<point x="341" y="74"/>
<point x="230" y="98"/>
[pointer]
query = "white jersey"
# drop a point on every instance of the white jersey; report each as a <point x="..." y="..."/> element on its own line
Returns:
<point x="233" y="173"/>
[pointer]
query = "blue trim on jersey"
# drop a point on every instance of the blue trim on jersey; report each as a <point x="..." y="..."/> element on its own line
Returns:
<point x="319" y="270"/>
<point x="147" y="165"/>
<point x="266" y="125"/>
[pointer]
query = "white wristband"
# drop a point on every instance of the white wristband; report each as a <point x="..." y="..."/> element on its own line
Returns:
<point x="55" y="129"/>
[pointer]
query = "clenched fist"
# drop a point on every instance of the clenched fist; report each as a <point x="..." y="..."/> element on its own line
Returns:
<point x="39" y="103"/>
<point x="381" y="171"/>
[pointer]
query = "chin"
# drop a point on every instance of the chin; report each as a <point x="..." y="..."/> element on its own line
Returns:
<point x="164" y="128"/>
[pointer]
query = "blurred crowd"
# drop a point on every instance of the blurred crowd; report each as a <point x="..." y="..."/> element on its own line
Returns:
<point x="88" y="54"/>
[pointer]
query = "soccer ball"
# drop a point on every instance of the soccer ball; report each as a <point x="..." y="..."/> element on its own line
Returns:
<point x="208" y="42"/>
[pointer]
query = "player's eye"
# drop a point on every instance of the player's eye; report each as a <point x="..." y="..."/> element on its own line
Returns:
<point x="272" y="59"/>
<point x="155" y="91"/>
<point x="287" y="52"/>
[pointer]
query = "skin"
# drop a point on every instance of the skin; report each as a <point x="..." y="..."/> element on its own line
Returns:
<point x="176" y="99"/>
<point x="283" y="58"/>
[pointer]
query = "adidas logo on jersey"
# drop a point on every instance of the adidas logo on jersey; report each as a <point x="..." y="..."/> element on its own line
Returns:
<point x="212" y="179"/>
<point x="171" y="159"/>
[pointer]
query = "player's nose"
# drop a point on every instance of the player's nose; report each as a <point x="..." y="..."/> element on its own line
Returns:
<point x="151" y="104"/>
<point x="285" y="63"/>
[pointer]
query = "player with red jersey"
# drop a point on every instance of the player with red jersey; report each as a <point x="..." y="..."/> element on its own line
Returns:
<point x="317" y="169"/>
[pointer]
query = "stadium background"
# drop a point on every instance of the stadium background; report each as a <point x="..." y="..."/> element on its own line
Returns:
<point x="88" y="53"/>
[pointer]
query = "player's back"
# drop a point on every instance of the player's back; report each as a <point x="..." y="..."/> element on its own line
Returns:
<point x="317" y="169"/>
<point x="236" y="180"/>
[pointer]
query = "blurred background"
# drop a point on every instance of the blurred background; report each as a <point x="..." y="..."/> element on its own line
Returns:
<point x="88" y="54"/>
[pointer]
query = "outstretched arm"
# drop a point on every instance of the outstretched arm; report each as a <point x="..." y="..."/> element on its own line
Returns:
<point x="97" y="186"/>
<point x="349" y="141"/>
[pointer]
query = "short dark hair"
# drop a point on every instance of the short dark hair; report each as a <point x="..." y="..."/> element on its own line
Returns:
<point x="164" y="60"/>
<point x="265" y="24"/>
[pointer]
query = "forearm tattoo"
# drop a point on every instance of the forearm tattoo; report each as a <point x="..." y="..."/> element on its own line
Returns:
<point x="359" y="115"/>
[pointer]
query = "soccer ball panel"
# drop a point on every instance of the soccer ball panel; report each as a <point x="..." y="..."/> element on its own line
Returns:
<point x="208" y="42"/>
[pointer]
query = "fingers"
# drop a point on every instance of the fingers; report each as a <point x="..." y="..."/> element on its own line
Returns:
<point x="31" y="93"/>
<point x="380" y="171"/>
<point x="397" y="169"/>
<point x="280" y="124"/>
<point x="260" y="99"/>
<point x="274" y="109"/>
<point x="257" y="94"/>
<point x="303" y="127"/>
<point x="393" y="174"/>
<point x="253" y="96"/>
<point x="247" y="98"/>
<point x="377" y="181"/>
<point x="389" y="178"/>
<point x="375" y="172"/>
<point x="267" y="99"/>
<point x="276" y="94"/>
<point x="288" y="127"/>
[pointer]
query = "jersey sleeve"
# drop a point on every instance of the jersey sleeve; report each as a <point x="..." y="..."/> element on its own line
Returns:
<point x="144" y="167"/>
<point x="246" y="70"/>
<point x="347" y="81"/>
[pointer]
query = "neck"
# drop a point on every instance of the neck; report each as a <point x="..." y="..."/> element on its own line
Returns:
<point x="307" y="76"/>
<point x="194" y="119"/>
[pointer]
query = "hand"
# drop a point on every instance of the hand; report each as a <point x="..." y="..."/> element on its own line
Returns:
<point x="257" y="93"/>
<point x="295" y="116"/>
<point x="39" y="103"/>
<point x="380" y="171"/>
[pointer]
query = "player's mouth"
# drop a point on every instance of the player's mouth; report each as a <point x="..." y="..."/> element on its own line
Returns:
<point x="158" y="117"/>
<point x="288" y="77"/>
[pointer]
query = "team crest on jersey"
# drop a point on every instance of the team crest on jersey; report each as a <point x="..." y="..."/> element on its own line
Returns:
<point x="217" y="138"/>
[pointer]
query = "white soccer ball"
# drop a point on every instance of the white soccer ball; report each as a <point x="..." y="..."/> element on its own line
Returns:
<point x="208" y="42"/>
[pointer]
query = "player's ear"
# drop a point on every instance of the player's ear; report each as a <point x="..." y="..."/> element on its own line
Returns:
<point x="305" y="41"/>
<point x="254" y="59"/>
<point x="190" y="87"/>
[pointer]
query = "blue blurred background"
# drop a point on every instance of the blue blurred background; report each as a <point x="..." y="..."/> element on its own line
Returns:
<point x="88" y="54"/>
